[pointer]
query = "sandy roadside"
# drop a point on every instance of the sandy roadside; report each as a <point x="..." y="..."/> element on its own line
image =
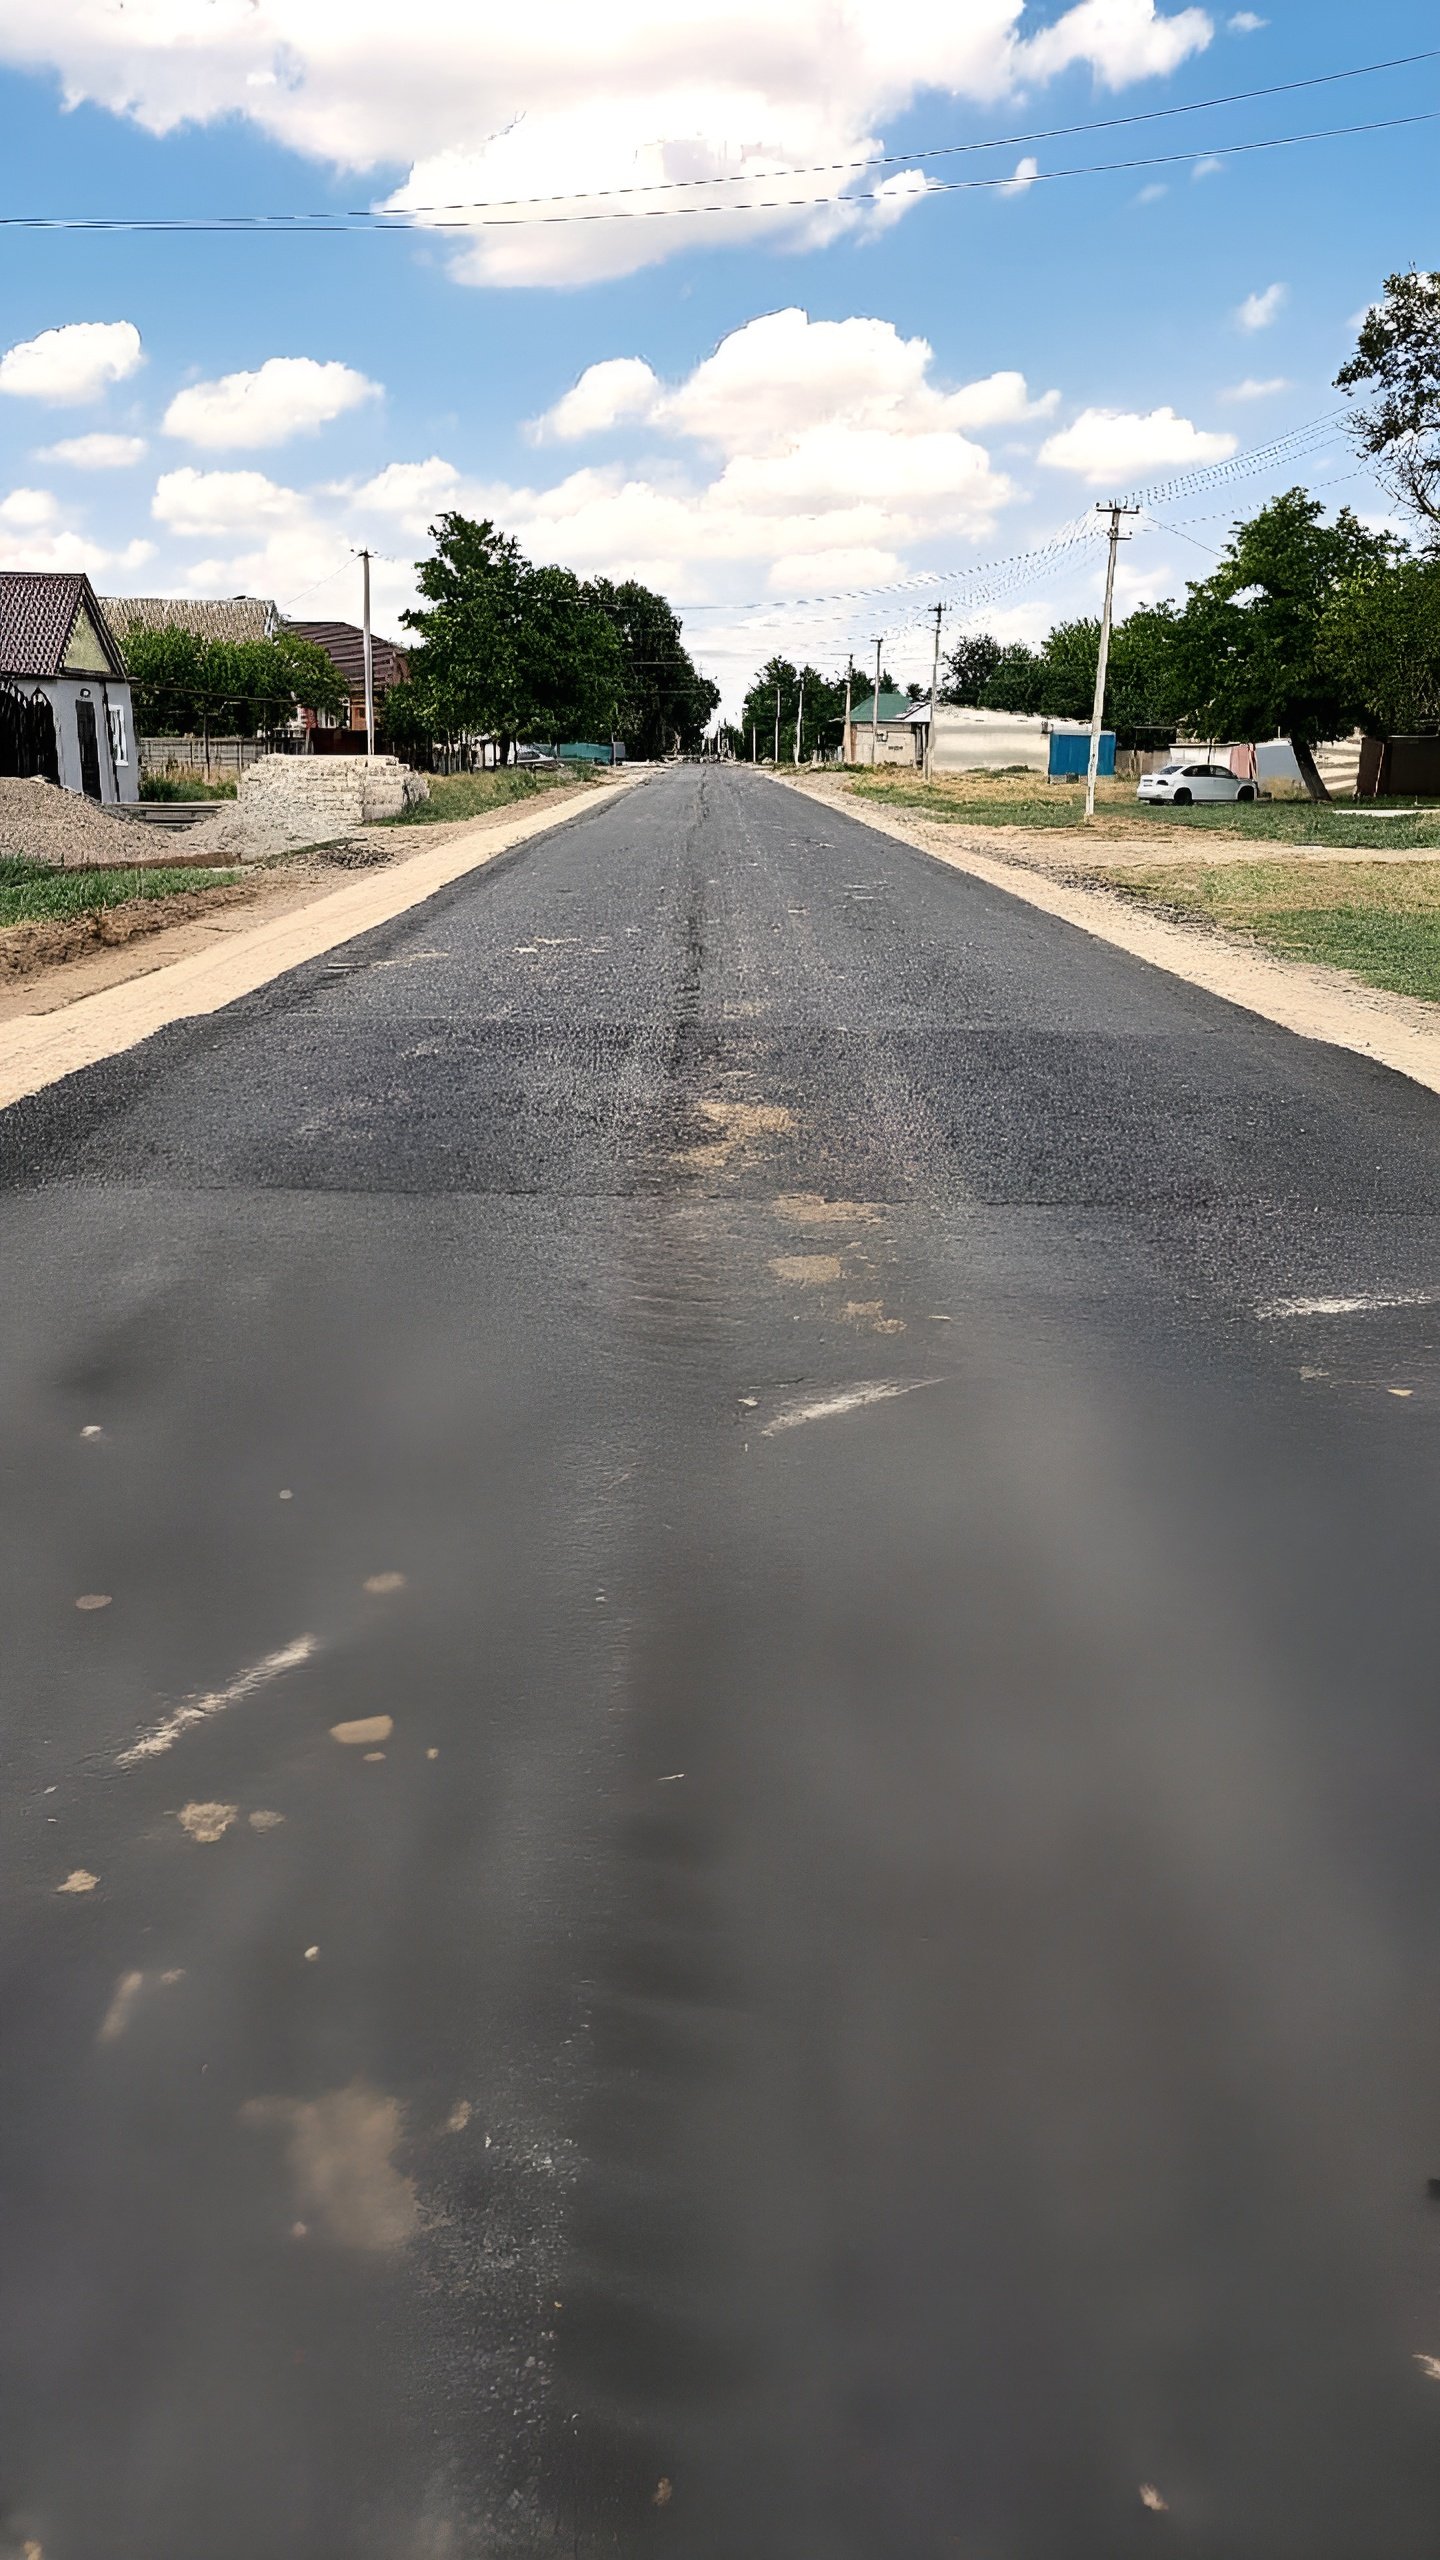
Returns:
<point x="39" y="982"/>
<point x="1046" y="871"/>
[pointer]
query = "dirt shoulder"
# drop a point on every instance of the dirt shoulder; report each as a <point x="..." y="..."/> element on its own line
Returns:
<point x="46" y="966"/>
<point x="1058" y="873"/>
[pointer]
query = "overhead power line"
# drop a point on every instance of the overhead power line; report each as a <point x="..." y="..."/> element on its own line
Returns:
<point x="510" y="213"/>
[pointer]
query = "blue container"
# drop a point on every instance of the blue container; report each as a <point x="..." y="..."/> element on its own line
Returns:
<point x="1070" y="754"/>
<point x="584" y="751"/>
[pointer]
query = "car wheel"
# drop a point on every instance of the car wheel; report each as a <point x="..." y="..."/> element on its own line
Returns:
<point x="1246" y="792"/>
<point x="1182" y="799"/>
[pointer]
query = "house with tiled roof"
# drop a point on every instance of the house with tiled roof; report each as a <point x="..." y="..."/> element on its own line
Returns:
<point x="60" y="659"/>
<point x="209" y="617"/>
<point x="344" y="645"/>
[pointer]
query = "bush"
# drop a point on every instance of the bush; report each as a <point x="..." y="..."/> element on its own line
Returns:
<point x="171" y="785"/>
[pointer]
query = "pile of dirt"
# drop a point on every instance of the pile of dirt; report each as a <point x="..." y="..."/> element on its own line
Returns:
<point x="46" y="824"/>
<point x="25" y="948"/>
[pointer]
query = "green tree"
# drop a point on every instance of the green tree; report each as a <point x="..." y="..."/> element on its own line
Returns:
<point x="570" y="664"/>
<point x="823" y="713"/>
<point x="969" y="668"/>
<point x="1249" y="657"/>
<point x="666" y="703"/>
<point x="1397" y="351"/>
<point x="1017" y="683"/>
<point x="184" y="685"/>
<point x="1381" y="642"/>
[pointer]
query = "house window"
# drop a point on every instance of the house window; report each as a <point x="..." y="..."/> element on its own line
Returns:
<point x="118" y="749"/>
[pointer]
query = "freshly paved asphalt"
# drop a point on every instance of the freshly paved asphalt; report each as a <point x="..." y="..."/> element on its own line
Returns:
<point x="882" y="1998"/>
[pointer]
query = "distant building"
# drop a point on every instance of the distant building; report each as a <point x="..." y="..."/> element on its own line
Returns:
<point x="59" y="655"/>
<point x="879" y="739"/>
<point x="209" y="617"/>
<point x="344" y="645"/>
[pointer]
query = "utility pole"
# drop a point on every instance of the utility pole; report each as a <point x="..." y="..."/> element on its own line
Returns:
<point x="937" y="610"/>
<point x="875" y="711"/>
<point x="847" y="743"/>
<point x="752" y="742"/>
<point x="777" y="728"/>
<point x="369" y="662"/>
<point x="1108" y="507"/>
<point x="799" y="720"/>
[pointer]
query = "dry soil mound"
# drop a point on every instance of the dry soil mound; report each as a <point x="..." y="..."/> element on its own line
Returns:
<point x="51" y="825"/>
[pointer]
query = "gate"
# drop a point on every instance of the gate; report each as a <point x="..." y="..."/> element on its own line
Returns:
<point x="28" y="751"/>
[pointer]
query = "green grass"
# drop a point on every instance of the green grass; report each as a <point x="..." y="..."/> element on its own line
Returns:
<point x="470" y="795"/>
<point x="1006" y="800"/>
<point x="183" y="786"/>
<point x="32" y="892"/>
<point x="1380" y="920"/>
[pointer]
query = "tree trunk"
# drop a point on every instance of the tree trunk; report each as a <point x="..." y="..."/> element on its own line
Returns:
<point x="1309" y="770"/>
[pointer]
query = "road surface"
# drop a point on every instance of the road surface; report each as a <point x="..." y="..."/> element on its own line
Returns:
<point x="744" y="1862"/>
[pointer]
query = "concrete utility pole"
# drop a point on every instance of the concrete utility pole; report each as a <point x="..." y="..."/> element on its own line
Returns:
<point x="369" y="647"/>
<point x="875" y="711"/>
<point x="753" y="757"/>
<point x="1108" y="507"/>
<point x="847" y="743"/>
<point x="777" y="728"/>
<point x="799" y="719"/>
<point x="937" y="610"/>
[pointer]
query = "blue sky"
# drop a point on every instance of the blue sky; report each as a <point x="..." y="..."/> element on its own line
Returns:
<point x="826" y="399"/>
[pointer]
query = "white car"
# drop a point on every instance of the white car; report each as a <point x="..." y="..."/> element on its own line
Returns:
<point x="1176" y="785"/>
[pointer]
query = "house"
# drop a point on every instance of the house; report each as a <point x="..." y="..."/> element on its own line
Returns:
<point x="344" y="645"/>
<point x="209" y="617"/>
<point x="882" y="739"/>
<point x="57" y="648"/>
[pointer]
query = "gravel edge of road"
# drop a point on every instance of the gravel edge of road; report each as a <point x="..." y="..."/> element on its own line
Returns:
<point x="1399" y="1032"/>
<point x="37" y="1050"/>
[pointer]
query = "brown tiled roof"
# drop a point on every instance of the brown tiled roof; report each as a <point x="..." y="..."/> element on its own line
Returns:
<point x="209" y="617"/>
<point x="344" y="645"/>
<point x="37" y="615"/>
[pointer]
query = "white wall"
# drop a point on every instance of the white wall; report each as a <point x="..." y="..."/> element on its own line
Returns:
<point x="981" y="741"/>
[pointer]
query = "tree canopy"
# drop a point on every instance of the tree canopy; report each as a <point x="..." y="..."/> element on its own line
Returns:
<point x="822" y="716"/>
<point x="1397" y="352"/>
<point x="186" y="686"/>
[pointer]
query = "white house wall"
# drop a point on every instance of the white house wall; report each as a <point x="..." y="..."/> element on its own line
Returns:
<point x="63" y="694"/>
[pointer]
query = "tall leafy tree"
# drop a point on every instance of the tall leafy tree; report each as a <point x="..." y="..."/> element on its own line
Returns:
<point x="1017" y="683"/>
<point x="1250" y="657"/>
<point x="1381" y="642"/>
<point x="466" y="670"/>
<point x="821" y="716"/>
<point x="1397" y="354"/>
<point x="185" y="685"/>
<point x="969" y="668"/>
<point x="665" y="701"/>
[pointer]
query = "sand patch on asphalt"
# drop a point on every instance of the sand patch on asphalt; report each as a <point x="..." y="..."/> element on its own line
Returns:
<point x="809" y="1209"/>
<point x="340" y="2154"/>
<point x="738" y="1127"/>
<point x="807" y="1270"/>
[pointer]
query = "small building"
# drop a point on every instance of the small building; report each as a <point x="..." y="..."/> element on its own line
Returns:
<point x="974" y="741"/>
<point x="209" y="617"/>
<point x="57" y="648"/>
<point x="344" y="645"/>
<point x="882" y="738"/>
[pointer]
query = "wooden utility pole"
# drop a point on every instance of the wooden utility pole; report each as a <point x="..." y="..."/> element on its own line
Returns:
<point x="847" y="743"/>
<point x="875" y="710"/>
<point x="799" y="720"/>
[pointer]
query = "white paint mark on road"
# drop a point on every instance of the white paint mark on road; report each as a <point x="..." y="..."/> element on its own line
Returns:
<point x="79" y="1880"/>
<point x="93" y="1600"/>
<point x="849" y="1400"/>
<point x="1150" y="2497"/>
<point x="1371" y="1304"/>
<point x="92" y="1431"/>
<point x="199" y="1710"/>
<point x="672" y="1779"/>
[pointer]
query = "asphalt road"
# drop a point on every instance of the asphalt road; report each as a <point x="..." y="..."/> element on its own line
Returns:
<point x="875" y="1994"/>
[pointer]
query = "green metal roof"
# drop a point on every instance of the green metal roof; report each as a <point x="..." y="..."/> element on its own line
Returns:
<point x="893" y="706"/>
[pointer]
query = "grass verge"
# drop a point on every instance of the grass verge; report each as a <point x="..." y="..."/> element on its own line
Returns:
<point x="34" y="892"/>
<point x="470" y="795"/>
<point x="1380" y="920"/>
<point x="1023" y="800"/>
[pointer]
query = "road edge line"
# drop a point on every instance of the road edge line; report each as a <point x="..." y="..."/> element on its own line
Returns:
<point x="1314" y="1003"/>
<point x="37" y="1050"/>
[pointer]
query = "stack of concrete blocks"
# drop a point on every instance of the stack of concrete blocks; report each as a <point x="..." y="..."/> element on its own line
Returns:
<point x="321" y="796"/>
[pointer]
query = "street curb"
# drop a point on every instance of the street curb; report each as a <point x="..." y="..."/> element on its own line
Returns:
<point x="38" y="1049"/>
<point x="1398" y="1032"/>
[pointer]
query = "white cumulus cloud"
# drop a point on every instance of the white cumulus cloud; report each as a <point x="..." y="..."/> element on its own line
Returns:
<point x="96" y="453"/>
<point x="480" y="104"/>
<point x="35" y="535"/>
<point x="286" y="396"/>
<point x="208" y="502"/>
<point x="1113" y="447"/>
<point x="1251" y="389"/>
<point x="71" y="365"/>
<point x="1260" y="310"/>
<point x="623" y="387"/>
